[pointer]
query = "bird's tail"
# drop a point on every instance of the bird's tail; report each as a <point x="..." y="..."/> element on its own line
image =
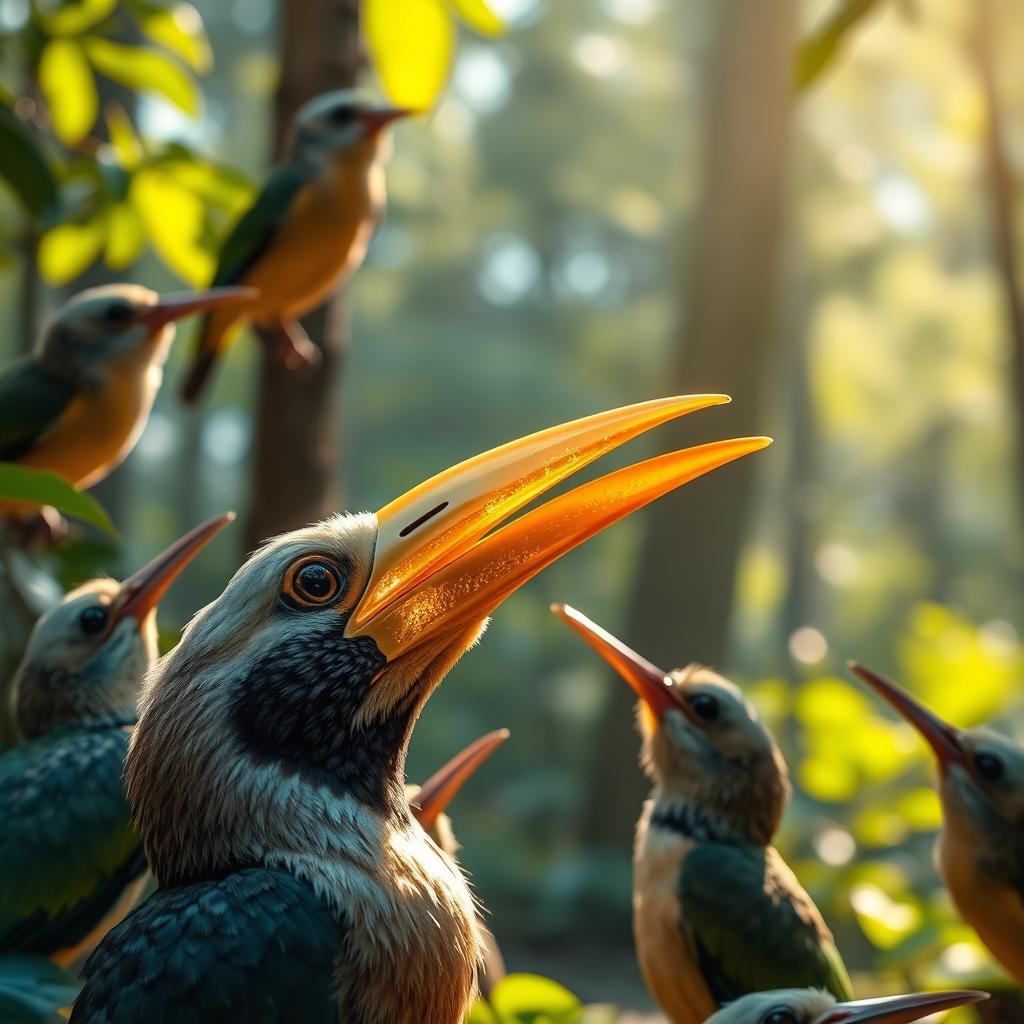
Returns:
<point x="213" y="333"/>
<point x="32" y="989"/>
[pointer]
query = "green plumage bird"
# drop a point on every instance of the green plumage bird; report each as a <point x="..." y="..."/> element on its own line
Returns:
<point x="717" y="912"/>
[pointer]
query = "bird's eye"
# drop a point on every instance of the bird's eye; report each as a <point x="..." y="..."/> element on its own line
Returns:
<point x="782" y="1015"/>
<point x="989" y="767"/>
<point x="341" y="116"/>
<point x="119" y="313"/>
<point x="93" y="620"/>
<point x="312" y="582"/>
<point x="705" y="706"/>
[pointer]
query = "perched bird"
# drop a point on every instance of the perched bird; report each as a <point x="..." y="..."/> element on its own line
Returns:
<point x="78" y="404"/>
<point x="429" y="803"/>
<point x="266" y="772"/>
<point x="307" y="230"/>
<point x="813" y="1006"/>
<point x="70" y="862"/>
<point x="717" y="913"/>
<point x="980" y="851"/>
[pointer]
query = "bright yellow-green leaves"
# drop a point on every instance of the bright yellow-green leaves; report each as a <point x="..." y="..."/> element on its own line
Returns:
<point x="412" y="43"/>
<point x="179" y="29"/>
<point x="528" y="999"/>
<point x="41" y="487"/>
<point x="173" y="218"/>
<point x="144" y="69"/>
<point x="69" y="249"/>
<point x="57" y="18"/>
<point x="67" y="84"/>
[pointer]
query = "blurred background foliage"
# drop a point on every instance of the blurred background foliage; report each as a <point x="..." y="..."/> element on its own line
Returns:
<point x="543" y="224"/>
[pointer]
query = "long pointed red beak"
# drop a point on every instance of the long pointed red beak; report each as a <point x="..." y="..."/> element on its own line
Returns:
<point x="169" y="308"/>
<point x="901" y="1009"/>
<point x="942" y="737"/>
<point x="648" y="681"/>
<point x="440" y="789"/>
<point x="380" y="117"/>
<point x="142" y="592"/>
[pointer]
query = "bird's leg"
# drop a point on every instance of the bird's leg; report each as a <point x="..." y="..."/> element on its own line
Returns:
<point x="287" y="342"/>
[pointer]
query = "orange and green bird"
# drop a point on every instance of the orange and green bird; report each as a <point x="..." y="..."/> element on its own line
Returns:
<point x="717" y="913"/>
<point x="71" y="864"/>
<point x="813" y="1006"/>
<point x="307" y="230"/>
<point x="79" y="403"/>
<point x="429" y="804"/>
<point x="267" y="771"/>
<point x="980" y="851"/>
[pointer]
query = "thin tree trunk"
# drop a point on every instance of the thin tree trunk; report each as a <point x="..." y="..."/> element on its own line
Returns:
<point x="299" y="416"/>
<point x="1002" y="195"/>
<point x="685" y="573"/>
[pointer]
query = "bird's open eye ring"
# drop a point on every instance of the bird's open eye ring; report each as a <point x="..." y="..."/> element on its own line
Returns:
<point x="989" y="767"/>
<point x="118" y="313"/>
<point x="312" y="582"/>
<point x="93" y="620"/>
<point x="705" y="706"/>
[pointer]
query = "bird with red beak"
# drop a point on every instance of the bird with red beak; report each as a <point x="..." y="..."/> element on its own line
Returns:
<point x="429" y="804"/>
<point x="717" y="913"/>
<point x="812" y="1006"/>
<point x="79" y="403"/>
<point x="305" y="233"/>
<point x="980" y="851"/>
<point x="267" y="770"/>
<point x="70" y="862"/>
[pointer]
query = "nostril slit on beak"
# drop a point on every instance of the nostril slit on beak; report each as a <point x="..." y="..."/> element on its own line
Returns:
<point x="417" y="523"/>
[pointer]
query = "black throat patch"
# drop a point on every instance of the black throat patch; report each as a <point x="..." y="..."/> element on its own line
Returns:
<point x="685" y="820"/>
<point x="296" y="709"/>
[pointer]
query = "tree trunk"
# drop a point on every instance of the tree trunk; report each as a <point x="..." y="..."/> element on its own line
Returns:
<point x="1002" y="198"/>
<point x="684" y="581"/>
<point x="299" y="416"/>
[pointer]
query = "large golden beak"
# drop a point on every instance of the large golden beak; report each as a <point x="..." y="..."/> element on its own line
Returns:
<point x="169" y="308"/>
<point x="648" y="682"/>
<point x="441" y="788"/>
<point x="438" y="567"/>
<point x="942" y="737"/>
<point x="900" y="1009"/>
<point x="142" y="592"/>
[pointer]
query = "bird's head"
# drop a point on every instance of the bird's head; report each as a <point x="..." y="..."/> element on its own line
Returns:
<point x="812" y="1006"/>
<point x="430" y="801"/>
<point x="87" y="656"/>
<point x="340" y="122"/>
<point x="117" y="323"/>
<point x="285" y="711"/>
<point x="703" y="743"/>
<point x="980" y="773"/>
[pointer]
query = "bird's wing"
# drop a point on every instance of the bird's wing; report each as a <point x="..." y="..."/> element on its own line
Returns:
<point x="255" y="946"/>
<point x="31" y="401"/>
<point x="752" y="926"/>
<point x="67" y="849"/>
<point x="257" y="227"/>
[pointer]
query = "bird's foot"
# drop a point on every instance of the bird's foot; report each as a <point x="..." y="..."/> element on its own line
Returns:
<point x="289" y="344"/>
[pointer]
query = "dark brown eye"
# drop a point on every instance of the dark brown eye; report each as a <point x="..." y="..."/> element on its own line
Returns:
<point x="119" y="313"/>
<point x="705" y="706"/>
<point x="312" y="582"/>
<point x="93" y="620"/>
<point x="779" y="1016"/>
<point x="341" y="116"/>
<point x="989" y="767"/>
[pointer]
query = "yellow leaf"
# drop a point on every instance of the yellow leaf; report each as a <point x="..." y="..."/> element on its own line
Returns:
<point x="126" y="143"/>
<point x="173" y="219"/>
<point x="126" y="237"/>
<point x="74" y="18"/>
<point x="69" y="89"/>
<point x="179" y="28"/>
<point x="68" y="249"/>
<point x="145" y="69"/>
<point x="478" y="15"/>
<point x="411" y="43"/>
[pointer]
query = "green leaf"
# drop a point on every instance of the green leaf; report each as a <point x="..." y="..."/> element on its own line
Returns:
<point x="478" y="15"/>
<point x="126" y="236"/>
<point x="142" y="68"/>
<point x="40" y="487"/>
<point x="178" y="28"/>
<point x="126" y="144"/>
<point x="71" y="19"/>
<point x="69" y="89"/>
<point x="820" y="48"/>
<point x="531" y="999"/>
<point x="24" y="166"/>
<point x="67" y="250"/>
<point x="173" y="218"/>
<point x="411" y="43"/>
